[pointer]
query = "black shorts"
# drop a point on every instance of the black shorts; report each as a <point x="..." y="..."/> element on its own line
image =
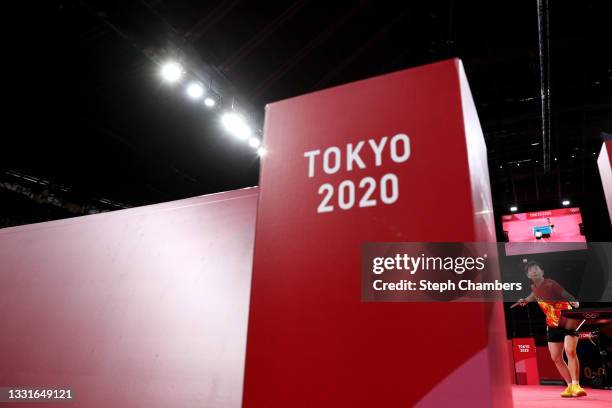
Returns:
<point x="557" y="334"/>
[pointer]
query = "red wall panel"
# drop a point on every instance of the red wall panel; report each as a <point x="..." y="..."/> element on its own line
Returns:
<point x="604" y="163"/>
<point x="312" y="342"/>
<point x="547" y="369"/>
<point x="145" y="307"/>
<point x="525" y="361"/>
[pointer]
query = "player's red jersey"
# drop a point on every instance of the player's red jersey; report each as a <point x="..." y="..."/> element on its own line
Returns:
<point x="548" y="295"/>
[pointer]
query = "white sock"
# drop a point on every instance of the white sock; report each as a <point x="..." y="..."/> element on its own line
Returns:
<point x="575" y="383"/>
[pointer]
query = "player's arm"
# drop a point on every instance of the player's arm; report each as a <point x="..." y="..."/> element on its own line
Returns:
<point x="523" y="302"/>
<point x="568" y="296"/>
<point x="560" y="292"/>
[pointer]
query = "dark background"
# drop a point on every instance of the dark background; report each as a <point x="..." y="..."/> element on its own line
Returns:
<point x="89" y="125"/>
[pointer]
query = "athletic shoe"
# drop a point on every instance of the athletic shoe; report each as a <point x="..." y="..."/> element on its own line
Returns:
<point x="578" y="391"/>
<point x="568" y="392"/>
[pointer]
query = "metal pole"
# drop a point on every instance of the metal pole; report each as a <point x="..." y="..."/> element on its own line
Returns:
<point x="544" y="51"/>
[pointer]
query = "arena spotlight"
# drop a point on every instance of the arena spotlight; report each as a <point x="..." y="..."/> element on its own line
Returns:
<point x="235" y="125"/>
<point x="254" y="142"/>
<point x="172" y="71"/>
<point x="566" y="202"/>
<point x="195" y="90"/>
<point x="209" y="102"/>
<point x="513" y="208"/>
<point x="262" y="152"/>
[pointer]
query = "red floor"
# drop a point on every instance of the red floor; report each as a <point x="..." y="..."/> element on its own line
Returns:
<point x="547" y="396"/>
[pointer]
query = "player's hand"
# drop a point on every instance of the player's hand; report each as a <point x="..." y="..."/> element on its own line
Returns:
<point x="575" y="305"/>
<point x="521" y="302"/>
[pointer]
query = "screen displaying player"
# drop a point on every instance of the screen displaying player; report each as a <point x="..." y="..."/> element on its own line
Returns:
<point x="525" y="230"/>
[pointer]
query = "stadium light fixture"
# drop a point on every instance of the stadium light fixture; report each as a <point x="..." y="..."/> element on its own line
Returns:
<point x="209" y="102"/>
<point x="254" y="142"/>
<point x="236" y="126"/>
<point x="171" y="71"/>
<point x="195" y="90"/>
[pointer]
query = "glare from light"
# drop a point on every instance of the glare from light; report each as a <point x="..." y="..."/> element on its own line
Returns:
<point x="210" y="102"/>
<point x="235" y="125"/>
<point x="262" y="152"/>
<point x="172" y="71"/>
<point x="566" y="202"/>
<point x="513" y="209"/>
<point x="254" y="142"/>
<point x="195" y="90"/>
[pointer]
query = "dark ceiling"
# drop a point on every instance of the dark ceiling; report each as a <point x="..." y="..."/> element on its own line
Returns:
<point x="92" y="124"/>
